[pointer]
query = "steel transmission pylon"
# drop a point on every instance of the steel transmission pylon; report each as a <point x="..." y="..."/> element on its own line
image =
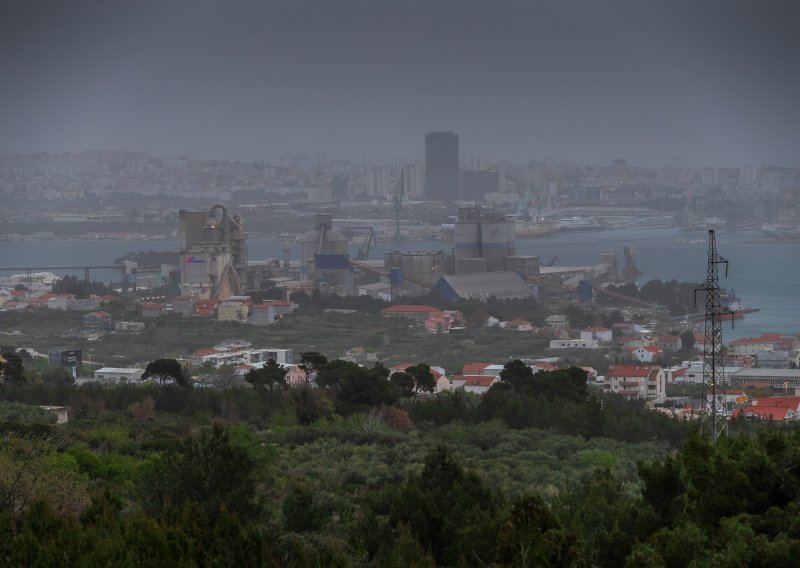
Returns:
<point x="713" y="417"/>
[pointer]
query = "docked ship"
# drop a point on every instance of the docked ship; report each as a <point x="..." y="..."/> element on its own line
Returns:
<point x="527" y="227"/>
<point x="578" y="223"/>
<point x="736" y="310"/>
<point x="780" y="230"/>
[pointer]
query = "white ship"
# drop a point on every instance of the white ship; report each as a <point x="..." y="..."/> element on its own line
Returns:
<point x="578" y="223"/>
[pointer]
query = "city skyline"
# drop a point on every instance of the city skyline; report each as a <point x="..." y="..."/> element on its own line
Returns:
<point x="713" y="84"/>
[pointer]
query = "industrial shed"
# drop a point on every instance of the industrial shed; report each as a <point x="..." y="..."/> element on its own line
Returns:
<point x="483" y="285"/>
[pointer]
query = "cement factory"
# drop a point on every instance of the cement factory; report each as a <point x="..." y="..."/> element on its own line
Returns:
<point x="481" y="263"/>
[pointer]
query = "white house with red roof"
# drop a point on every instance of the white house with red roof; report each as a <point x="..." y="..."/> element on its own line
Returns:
<point x="774" y="408"/>
<point x="98" y="319"/>
<point x="636" y="381"/>
<point x="766" y="341"/>
<point x="474" y="368"/>
<point x="477" y="384"/>
<point x="647" y="354"/>
<point x="60" y="301"/>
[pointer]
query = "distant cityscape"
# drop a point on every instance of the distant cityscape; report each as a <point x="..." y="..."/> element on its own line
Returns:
<point x="117" y="190"/>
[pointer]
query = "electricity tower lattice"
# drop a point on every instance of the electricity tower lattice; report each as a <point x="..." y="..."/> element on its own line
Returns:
<point x="713" y="416"/>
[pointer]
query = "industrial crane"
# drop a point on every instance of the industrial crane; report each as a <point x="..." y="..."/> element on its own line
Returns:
<point x="367" y="244"/>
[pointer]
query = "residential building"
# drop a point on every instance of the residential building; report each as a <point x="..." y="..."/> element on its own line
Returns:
<point x="442" y="322"/>
<point x="775" y="408"/>
<point x="474" y="368"/>
<point x="648" y="354"/>
<point x="232" y="311"/>
<point x="766" y="341"/>
<point x="636" y="381"/>
<point x="60" y="301"/>
<point x="205" y="307"/>
<point x="360" y="355"/>
<point x="263" y="314"/>
<point x="669" y="342"/>
<point x="556" y="322"/>
<point x="518" y="324"/>
<point x="601" y="334"/>
<point x="477" y="384"/>
<point x="574" y="344"/>
<point x="254" y="357"/>
<point x="98" y="320"/>
<point x="118" y="375"/>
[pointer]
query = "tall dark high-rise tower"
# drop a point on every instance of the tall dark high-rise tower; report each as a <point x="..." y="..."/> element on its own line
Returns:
<point x="442" y="174"/>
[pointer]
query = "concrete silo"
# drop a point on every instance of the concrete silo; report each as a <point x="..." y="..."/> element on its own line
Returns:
<point x="488" y="236"/>
<point x="324" y="258"/>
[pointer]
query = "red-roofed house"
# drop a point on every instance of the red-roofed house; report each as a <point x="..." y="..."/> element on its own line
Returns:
<point x="636" y="381"/>
<point x="60" y="301"/>
<point x="477" y="384"/>
<point x="474" y="368"/>
<point x="205" y="307"/>
<point x="647" y="354"/>
<point x="98" y="319"/>
<point x="765" y="342"/>
<point x="542" y="366"/>
<point x="416" y="313"/>
<point x="775" y="408"/>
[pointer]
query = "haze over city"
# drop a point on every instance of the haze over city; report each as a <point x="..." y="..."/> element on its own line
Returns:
<point x="399" y="283"/>
<point x="714" y="82"/>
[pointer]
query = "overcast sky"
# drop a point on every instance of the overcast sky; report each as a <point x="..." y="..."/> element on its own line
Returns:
<point x="716" y="82"/>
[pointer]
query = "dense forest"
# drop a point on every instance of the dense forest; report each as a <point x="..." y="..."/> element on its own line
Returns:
<point x="357" y="468"/>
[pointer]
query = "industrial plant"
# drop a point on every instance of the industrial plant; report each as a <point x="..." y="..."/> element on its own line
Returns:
<point x="482" y="263"/>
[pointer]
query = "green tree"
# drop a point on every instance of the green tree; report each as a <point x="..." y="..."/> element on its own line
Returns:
<point x="11" y="370"/>
<point x="687" y="339"/>
<point x="166" y="371"/>
<point x="267" y="378"/>
<point x="516" y="374"/>
<point x="207" y="469"/>
<point x="311" y="363"/>
<point x="423" y="378"/>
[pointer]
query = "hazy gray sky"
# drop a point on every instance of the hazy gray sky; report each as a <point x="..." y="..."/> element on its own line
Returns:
<point x="715" y="81"/>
